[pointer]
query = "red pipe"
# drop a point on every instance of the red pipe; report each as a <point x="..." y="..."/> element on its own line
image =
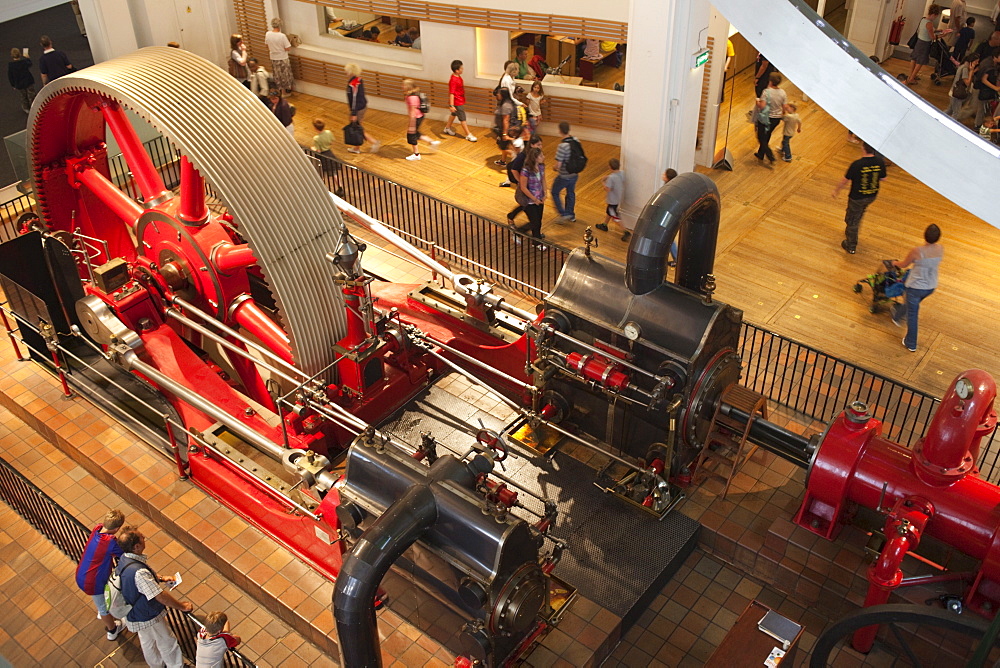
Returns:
<point x="230" y="257"/>
<point x="193" y="209"/>
<point x="949" y="447"/>
<point x="120" y="204"/>
<point x="903" y="528"/>
<point x="143" y="171"/>
<point x="250" y="316"/>
<point x="854" y="465"/>
<point x="62" y="376"/>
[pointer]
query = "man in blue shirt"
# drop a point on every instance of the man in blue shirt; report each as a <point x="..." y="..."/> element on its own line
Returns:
<point x="141" y="589"/>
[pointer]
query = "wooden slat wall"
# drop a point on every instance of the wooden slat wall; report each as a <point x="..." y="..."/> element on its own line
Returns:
<point x="600" y="115"/>
<point x="251" y="21"/>
<point x="705" y="81"/>
<point x="497" y="19"/>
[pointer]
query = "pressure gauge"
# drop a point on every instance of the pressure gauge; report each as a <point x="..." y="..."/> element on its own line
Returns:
<point x="632" y="331"/>
<point x="963" y="388"/>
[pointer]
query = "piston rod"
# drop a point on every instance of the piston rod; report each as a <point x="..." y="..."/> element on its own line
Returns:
<point x="595" y="349"/>
<point x="786" y="444"/>
<point x="132" y="362"/>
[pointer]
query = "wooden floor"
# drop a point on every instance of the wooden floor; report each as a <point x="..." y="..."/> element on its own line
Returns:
<point x="779" y="253"/>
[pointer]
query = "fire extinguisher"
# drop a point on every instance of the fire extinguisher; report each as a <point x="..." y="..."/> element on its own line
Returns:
<point x="896" y="30"/>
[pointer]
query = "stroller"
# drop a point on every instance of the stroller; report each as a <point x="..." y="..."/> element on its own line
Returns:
<point x="886" y="286"/>
<point x="946" y="65"/>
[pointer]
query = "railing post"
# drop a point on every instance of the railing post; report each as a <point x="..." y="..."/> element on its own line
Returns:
<point x="10" y="333"/>
<point x="48" y="332"/>
<point x="174" y="448"/>
<point x="434" y="274"/>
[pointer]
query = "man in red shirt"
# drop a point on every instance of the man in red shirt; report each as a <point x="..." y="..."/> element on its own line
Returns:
<point x="456" y="101"/>
<point x="95" y="565"/>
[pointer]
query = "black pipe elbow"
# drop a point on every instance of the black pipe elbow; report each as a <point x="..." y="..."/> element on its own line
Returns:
<point x="689" y="204"/>
<point x="401" y="525"/>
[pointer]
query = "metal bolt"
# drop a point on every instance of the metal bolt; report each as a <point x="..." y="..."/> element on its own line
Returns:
<point x="249" y="411"/>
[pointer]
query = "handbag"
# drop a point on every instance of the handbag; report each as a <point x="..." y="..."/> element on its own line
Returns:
<point x="235" y="69"/>
<point x="752" y="114"/>
<point x="961" y="90"/>
<point x="913" y="40"/>
<point x="354" y="134"/>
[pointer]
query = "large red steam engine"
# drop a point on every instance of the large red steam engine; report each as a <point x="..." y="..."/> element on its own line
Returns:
<point x="243" y="333"/>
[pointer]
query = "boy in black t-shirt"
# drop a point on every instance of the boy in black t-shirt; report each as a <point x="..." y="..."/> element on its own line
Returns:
<point x="865" y="175"/>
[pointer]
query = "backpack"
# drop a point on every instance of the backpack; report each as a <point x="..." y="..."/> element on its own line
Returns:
<point x="577" y="159"/>
<point x="425" y="106"/>
<point x="114" y="597"/>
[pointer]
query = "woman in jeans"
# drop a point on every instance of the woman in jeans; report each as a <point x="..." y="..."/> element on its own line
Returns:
<point x="921" y="282"/>
<point x="531" y="192"/>
<point x="770" y="105"/>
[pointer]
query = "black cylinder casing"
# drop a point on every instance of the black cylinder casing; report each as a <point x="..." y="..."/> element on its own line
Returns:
<point x="462" y="547"/>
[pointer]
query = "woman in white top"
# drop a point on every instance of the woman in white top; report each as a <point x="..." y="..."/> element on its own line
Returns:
<point x="921" y="282"/>
<point x="277" y="47"/>
<point x="507" y="80"/>
<point x="770" y="110"/>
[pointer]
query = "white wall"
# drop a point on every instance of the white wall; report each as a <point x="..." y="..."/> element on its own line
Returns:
<point x="117" y="27"/>
<point x="13" y="9"/>
<point x="109" y="28"/>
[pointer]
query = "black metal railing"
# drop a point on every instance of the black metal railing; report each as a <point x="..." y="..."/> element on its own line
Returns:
<point x="457" y="237"/>
<point x="70" y="535"/>
<point x="9" y="213"/>
<point x="819" y="386"/>
<point x="40" y="511"/>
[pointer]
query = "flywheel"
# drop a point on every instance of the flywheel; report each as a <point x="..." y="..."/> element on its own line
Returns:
<point x="276" y="198"/>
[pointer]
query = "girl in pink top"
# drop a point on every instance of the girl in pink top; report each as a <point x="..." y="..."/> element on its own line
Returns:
<point x="411" y="94"/>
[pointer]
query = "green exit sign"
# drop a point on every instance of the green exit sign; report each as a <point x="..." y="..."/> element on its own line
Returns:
<point x="700" y="58"/>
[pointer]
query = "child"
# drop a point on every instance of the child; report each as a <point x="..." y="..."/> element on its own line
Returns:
<point x="520" y="137"/>
<point x="411" y="94"/>
<point x="321" y="144"/>
<point x="520" y="101"/>
<point x="988" y="130"/>
<point x="456" y="101"/>
<point x="793" y="124"/>
<point x="504" y="121"/>
<point x="94" y="569"/>
<point x="614" y="188"/>
<point x="535" y="97"/>
<point x="214" y="640"/>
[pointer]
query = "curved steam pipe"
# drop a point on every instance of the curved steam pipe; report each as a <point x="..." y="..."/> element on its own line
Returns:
<point x="389" y="536"/>
<point x="688" y="204"/>
<point x="395" y="530"/>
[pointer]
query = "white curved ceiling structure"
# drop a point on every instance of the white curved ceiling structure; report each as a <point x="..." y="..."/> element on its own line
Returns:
<point x="897" y="122"/>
